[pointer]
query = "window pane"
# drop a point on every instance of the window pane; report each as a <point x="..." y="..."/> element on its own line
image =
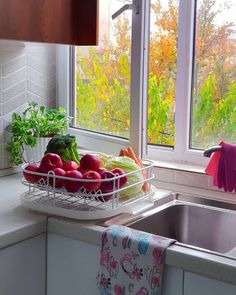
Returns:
<point x="103" y="75"/>
<point x="162" y="71"/>
<point x="214" y="87"/>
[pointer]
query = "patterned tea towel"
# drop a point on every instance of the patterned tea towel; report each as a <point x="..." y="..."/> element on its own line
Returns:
<point x="131" y="262"/>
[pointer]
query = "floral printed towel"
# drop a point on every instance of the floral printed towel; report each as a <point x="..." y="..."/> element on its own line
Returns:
<point x="131" y="262"/>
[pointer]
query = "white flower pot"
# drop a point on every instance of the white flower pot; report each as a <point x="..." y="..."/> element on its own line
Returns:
<point x="35" y="153"/>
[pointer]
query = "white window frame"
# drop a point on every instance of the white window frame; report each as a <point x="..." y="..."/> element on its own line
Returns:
<point x="138" y="101"/>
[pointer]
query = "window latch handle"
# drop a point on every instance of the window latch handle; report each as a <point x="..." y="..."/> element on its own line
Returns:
<point x="124" y="8"/>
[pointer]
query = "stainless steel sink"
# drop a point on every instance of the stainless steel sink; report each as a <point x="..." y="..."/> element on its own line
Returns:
<point x="192" y="221"/>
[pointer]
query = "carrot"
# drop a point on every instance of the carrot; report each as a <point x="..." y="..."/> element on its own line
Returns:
<point x="121" y="154"/>
<point x="126" y="153"/>
<point x="140" y="164"/>
<point x="129" y="152"/>
<point x="145" y="186"/>
<point x="132" y="155"/>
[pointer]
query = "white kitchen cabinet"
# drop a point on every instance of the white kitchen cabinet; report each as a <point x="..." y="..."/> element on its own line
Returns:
<point x="73" y="266"/>
<point x="172" y="281"/>
<point x="195" y="284"/>
<point x="22" y="267"/>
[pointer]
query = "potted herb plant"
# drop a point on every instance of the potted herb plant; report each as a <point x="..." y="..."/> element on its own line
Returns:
<point x="32" y="130"/>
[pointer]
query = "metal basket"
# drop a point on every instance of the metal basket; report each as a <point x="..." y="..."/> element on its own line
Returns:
<point x="43" y="196"/>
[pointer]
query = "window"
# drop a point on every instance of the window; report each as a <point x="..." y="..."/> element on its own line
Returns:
<point x="102" y="76"/>
<point x="162" y="72"/>
<point x="162" y="79"/>
<point x="214" y="79"/>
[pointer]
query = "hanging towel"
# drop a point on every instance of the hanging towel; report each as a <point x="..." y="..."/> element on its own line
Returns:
<point x="222" y="166"/>
<point x="131" y="262"/>
<point x="212" y="166"/>
<point x="226" y="175"/>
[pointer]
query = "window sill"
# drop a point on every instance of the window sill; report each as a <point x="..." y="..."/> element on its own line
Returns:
<point x="180" y="166"/>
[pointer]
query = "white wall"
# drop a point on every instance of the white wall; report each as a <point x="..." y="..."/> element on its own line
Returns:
<point x="27" y="73"/>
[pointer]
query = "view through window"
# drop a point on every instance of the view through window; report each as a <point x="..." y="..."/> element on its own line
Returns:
<point x="103" y="74"/>
<point x="214" y="76"/>
<point x="162" y="71"/>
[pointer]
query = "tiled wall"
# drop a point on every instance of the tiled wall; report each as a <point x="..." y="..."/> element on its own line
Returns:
<point x="189" y="183"/>
<point x="27" y="73"/>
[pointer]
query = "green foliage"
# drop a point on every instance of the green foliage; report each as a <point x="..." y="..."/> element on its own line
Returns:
<point x="103" y="93"/>
<point x="161" y="111"/>
<point x="214" y="118"/>
<point x="103" y="80"/>
<point x="34" y="122"/>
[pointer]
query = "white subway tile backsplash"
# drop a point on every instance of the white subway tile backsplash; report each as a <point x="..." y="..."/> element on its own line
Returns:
<point x="191" y="179"/>
<point x="42" y="91"/>
<point x="41" y="79"/>
<point x="2" y="160"/>
<point x="27" y="73"/>
<point x="164" y="175"/>
<point x="10" y="105"/>
<point x="1" y="125"/>
<point x="52" y="68"/>
<point x="14" y="91"/>
<point x="37" y="65"/>
<point x="13" y="78"/>
<point x="6" y="156"/>
<point x="49" y="103"/>
<point x="14" y="65"/>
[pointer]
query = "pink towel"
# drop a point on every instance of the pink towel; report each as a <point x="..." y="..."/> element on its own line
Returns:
<point x="131" y="262"/>
<point x="222" y="166"/>
<point x="212" y="167"/>
<point x="226" y="175"/>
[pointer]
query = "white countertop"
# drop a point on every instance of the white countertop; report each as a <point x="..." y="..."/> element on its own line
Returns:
<point x="16" y="222"/>
<point x="201" y="262"/>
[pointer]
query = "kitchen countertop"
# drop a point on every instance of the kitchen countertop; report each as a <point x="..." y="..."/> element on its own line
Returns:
<point x="201" y="262"/>
<point x="18" y="223"/>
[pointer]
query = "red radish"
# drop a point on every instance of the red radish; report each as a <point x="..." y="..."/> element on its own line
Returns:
<point x="92" y="175"/>
<point x="49" y="162"/>
<point x="90" y="162"/>
<point x="109" y="185"/>
<point x="82" y="170"/>
<point x="70" y="165"/>
<point x="101" y="170"/>
<point x="58" y="182"/>
<point x="73" y="186"/>
<point x="31" y="177"/>
<point x="122" y="181"/>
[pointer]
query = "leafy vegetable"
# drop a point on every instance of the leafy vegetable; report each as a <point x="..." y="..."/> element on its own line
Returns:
<point x="65" y="146"/>
<point x="128" y="165"/>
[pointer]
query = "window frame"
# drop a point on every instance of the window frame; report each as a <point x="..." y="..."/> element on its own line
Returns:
<point x="138" y="100"/>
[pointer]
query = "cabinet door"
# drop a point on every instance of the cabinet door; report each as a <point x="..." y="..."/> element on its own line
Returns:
<point x="22" y="268"/>
<point x="172" y="281"/>
<point x="72" y="266"/>
<point x="52" y="21"/>
<point x="195" y="284"/>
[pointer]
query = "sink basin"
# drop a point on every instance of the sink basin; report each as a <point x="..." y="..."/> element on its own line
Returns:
<point x="192" y="221"/>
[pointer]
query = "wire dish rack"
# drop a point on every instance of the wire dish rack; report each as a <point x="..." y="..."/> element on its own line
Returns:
<point x="44" y="196"/>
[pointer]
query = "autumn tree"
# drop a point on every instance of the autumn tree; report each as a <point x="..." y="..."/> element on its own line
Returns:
<point x="103" y="84"/>
<point x="215" y="76"/>
<point x="103" y="77"/>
